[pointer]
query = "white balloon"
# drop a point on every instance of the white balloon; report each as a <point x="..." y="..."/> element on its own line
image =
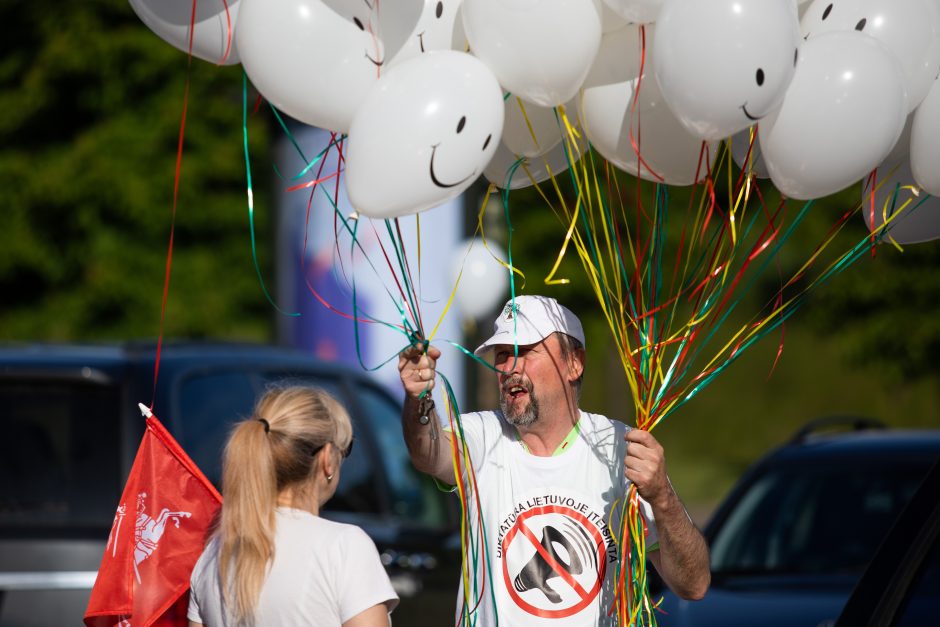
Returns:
<point x="909" y="28"/>
<point x="212" y="32"/>
<point x="638" y="11"/>
<point x="364" y="15"/>
<point x="434" y="29"/>
<point x="539" y="50"/>
<point x="307" y="60"/>
<point x="914" y="216"/>
<point x="400" y="20"/>
<point x="609" y="20"/>
<point x="423" y="134"/>
<point x="668" y="153"/>
<point x="740" y="143"/>
<point x="504" y="172"/>
<point x="484" y="281"/>
<point x="902" y="147"/>
<point x="724" y="64"/>
<point x="528" y="129"/>
<point x="925" y="142"/>
<point x="842" y="114"/>
<point x="618" y="59"/>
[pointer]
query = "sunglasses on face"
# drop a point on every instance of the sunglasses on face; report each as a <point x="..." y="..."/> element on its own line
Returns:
<point x="345" y="453"/>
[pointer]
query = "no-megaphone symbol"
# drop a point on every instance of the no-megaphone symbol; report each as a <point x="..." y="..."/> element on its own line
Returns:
<point x="554" y="560"/>
<point x="566" y="549"/>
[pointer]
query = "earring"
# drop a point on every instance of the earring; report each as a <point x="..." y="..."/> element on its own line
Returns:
<point x="329" y="478"/>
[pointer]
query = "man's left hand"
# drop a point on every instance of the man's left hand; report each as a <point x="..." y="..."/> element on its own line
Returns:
<point x="645" y="465"/>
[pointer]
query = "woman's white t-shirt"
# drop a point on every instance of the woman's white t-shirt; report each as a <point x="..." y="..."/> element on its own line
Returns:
<point x="323" y="573"/>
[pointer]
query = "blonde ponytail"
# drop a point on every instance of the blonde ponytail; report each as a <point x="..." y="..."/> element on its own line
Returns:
<point x="265" y="454"/>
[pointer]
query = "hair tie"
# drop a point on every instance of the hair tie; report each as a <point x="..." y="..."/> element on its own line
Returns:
<point x="267" y="427"/>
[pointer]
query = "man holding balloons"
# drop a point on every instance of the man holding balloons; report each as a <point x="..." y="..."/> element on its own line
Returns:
<point x="550" y="479"/>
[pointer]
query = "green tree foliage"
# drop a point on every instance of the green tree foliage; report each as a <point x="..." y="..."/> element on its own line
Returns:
<point x="92" y="103"/>
<point x="886" y="311"/>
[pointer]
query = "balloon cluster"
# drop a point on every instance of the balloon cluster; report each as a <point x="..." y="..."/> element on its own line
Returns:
<point x="434" y="93"/>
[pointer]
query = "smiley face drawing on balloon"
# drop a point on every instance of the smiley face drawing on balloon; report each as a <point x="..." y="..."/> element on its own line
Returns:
<point x="434" y="179"/>
<point x="423" y="135"/>
<point x="909" y="28"/>
<point x="722" y="65"/>
<point x="364" y="16"/>
<point x="434" y="30"/>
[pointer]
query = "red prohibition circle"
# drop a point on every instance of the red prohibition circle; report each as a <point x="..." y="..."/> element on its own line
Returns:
<point x="587" y="597"/>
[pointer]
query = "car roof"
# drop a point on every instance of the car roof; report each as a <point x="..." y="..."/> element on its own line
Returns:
<point x="174" y="355"/>
<point x="873" y="443"/>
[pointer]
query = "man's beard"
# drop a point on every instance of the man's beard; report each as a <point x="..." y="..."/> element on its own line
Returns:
<point x="531" y="412"/>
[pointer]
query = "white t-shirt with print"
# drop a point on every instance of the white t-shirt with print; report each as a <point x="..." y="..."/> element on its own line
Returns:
<point x="548" y="537"/>
<point x="323" y="573"/>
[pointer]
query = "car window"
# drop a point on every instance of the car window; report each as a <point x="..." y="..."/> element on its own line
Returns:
<point x="209" y="403"/>
<point x="59" y="454"/>
<point x="413" y="495"/>
<point x="922" y="605"/>
<point x="813" y="518"/>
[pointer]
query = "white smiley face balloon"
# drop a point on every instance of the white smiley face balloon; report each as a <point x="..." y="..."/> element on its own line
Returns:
<point x="909" y="28"/>
<point x="747" y="154"/>
<point x="213" y="26"/>
<point x="539" y="50"/>
<point x="658" y="148"/>
<point x="722" y="65"/>
<point x="504" y="172"/>
<point x="842" y="115"/>
<point x="279" y="42"/>
<point x="530" y="130"/>
<point x="435" y="30"/>
<point x="912" y="216"/>
<point x="925" y="141"/>
<point x="618" y="59"/>
<point x="423" y="134"/>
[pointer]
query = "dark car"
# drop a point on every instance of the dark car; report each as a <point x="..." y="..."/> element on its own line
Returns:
<point x="901" y="586"/>
<point x="70" y="428"/>
<point x="792" y="538"/>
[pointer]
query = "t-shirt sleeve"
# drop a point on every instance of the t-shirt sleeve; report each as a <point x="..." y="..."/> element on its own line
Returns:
<point x="470" y="430"/>
<point x="652" y="536"/>
<point x="193" y="612"/>
<point x="363" y="580"/>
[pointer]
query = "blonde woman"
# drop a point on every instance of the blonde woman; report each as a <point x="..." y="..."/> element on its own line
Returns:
<point x="273" y="560"/>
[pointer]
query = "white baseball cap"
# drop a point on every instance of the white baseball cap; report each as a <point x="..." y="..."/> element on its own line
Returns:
<point x="531" y="319"/>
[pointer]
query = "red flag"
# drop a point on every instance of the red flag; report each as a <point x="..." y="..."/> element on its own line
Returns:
<point x="158" y="533"/>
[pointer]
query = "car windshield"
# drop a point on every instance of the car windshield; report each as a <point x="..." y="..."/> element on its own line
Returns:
<point x="814" y="518"/>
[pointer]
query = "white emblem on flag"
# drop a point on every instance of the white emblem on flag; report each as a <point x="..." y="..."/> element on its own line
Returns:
<point x="148" y="531"/>
<point x="116" y="530"/>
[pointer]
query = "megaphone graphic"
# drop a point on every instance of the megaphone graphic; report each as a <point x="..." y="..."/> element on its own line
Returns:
<point x="535" y="574"/>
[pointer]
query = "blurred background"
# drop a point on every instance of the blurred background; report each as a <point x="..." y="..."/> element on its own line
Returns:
<point x="92" y="103"/>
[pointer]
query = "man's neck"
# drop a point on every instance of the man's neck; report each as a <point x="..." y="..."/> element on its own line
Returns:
<point x="543" y="437"/>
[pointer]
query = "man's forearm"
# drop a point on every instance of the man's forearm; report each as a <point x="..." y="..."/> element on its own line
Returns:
<point x="683" y="555"/>
<point x="427" y="443"/>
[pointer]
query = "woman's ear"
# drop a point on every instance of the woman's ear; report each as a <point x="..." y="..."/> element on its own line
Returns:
<point x="327" y="461"/>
